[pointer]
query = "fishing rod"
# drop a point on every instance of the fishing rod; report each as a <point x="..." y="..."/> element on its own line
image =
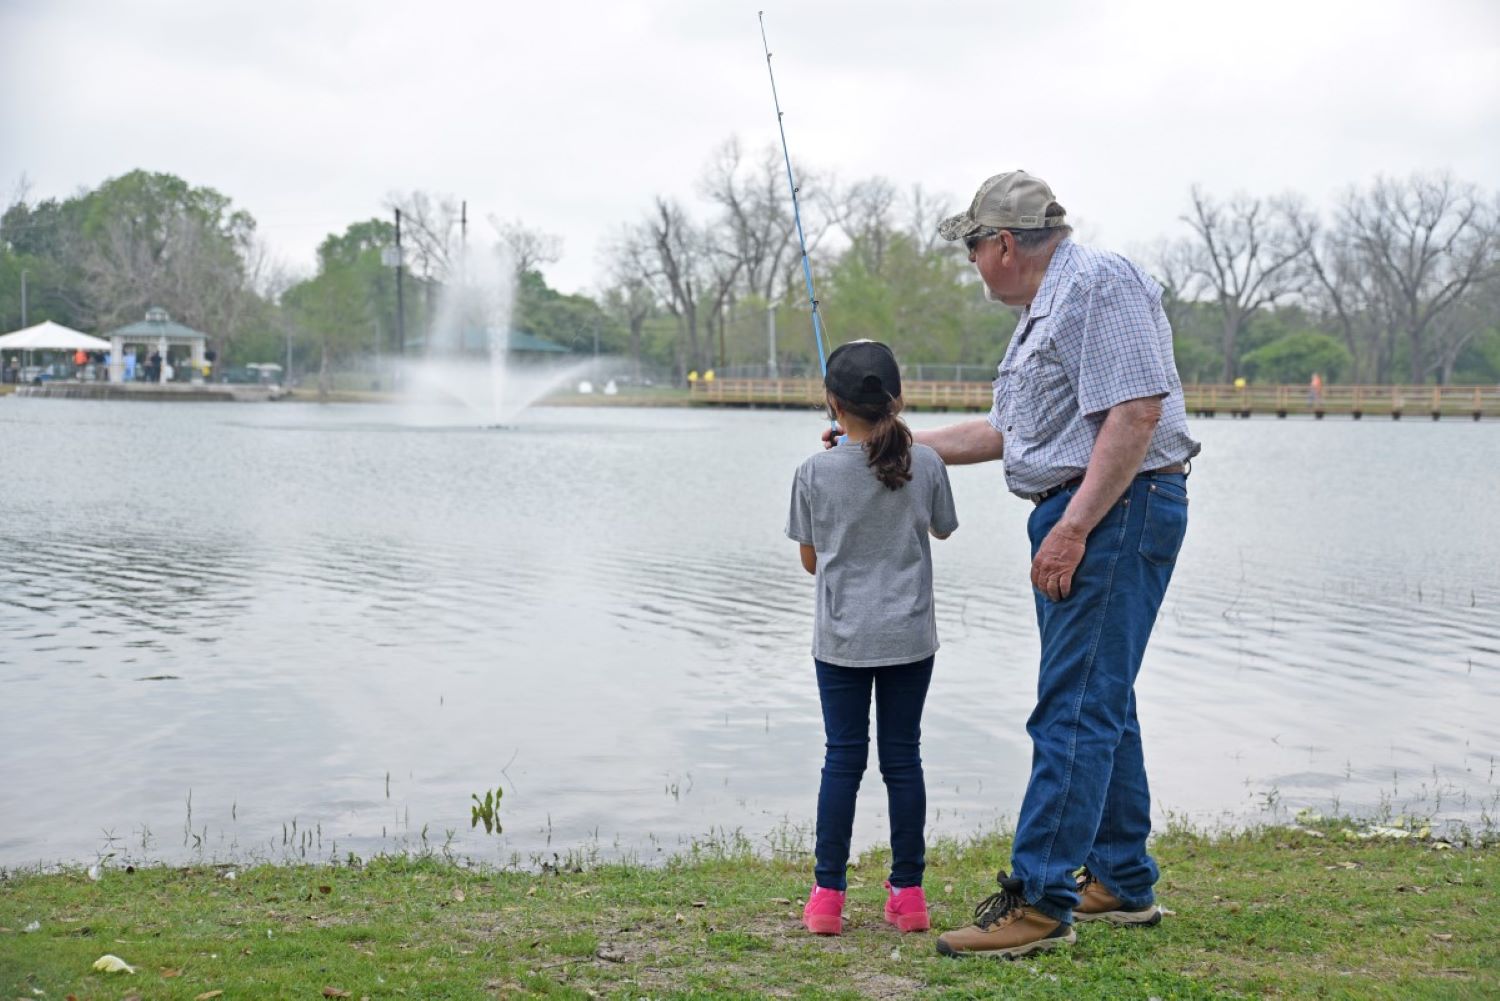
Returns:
<point x="812" y="297"/>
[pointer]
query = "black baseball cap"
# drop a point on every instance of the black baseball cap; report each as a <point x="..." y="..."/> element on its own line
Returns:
<point x="863" y="372"/>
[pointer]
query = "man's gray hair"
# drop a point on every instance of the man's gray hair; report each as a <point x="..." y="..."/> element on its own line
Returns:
<point x="1031" y="242"/>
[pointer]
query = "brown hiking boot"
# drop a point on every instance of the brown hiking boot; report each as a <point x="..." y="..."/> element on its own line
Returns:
<point x="1006" y="926"/>
<point x="1095" y="903"/>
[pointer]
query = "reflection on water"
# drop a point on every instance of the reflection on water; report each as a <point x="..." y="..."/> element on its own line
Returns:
<point x="216" y="621"/>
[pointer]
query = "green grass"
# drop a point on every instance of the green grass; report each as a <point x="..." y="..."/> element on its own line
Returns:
<point x="1274" y="912"/>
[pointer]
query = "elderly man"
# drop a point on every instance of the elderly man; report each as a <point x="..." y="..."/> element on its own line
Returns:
<point x="1089" y="420"/>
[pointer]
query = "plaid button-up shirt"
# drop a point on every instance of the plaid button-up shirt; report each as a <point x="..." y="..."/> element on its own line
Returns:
<point x="1095" y="336"/>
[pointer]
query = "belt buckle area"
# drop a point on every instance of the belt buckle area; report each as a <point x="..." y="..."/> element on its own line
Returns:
<point x="1052" y="492"/>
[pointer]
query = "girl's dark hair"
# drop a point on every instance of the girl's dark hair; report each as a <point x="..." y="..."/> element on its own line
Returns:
<point x="889" y="444"/>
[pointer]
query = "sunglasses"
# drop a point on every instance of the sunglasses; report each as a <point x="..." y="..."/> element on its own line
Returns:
<point x="973" y="241"/>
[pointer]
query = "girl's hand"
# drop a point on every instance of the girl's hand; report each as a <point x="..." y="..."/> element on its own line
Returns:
<point x="831" y="435"/>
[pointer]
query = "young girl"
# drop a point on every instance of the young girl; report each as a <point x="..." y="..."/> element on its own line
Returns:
<point x="862" y="511"/>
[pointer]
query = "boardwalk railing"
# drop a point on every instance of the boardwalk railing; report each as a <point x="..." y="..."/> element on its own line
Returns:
<point x="809" y="393"/>
<point x="1473" y="402"/>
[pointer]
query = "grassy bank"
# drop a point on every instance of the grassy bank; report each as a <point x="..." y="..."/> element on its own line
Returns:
<point x="1270" y="913"/>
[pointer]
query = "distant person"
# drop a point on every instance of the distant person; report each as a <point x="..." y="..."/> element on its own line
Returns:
<point x="1315" y="389"/>
<point x="15" y="369"/>
<point x="153" y="370"/>
<point x="862" y="512"/>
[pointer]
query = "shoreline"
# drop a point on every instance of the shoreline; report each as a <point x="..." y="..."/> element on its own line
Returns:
<point x="1277" y="910"/>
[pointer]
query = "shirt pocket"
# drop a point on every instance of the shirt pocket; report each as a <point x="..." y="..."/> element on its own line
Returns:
<point x="1046" y="401"/>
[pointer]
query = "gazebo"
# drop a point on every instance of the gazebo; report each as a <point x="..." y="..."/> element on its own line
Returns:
<point x="158" y="332"/>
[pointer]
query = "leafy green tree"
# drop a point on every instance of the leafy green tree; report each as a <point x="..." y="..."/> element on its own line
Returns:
<point x="923" y="302"/>
<point x="340" y="311"/>
<point x="1479" y="364"/>
<point x="156" y="240"/>
<point x="570" y="320"/>
<point x="98" y="260"/>
<point x="44" y="240"/>
<point x="1295" y="357"/>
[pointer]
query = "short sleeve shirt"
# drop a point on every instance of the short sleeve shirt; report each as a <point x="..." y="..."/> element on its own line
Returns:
<point x="874" y="573"/>
<point x="1095" y="336"/>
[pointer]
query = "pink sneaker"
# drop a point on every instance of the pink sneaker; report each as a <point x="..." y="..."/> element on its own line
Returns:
<point x="907" y="910"/>
<point x="824" y="913"/>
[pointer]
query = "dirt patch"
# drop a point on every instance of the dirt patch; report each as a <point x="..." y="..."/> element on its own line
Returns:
<point x="886" y="986"/>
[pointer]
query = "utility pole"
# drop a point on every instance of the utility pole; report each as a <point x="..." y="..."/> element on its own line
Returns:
<point x="771" y="335"/>
<point x="400" y="300"/>
<point x="23" y="297"/>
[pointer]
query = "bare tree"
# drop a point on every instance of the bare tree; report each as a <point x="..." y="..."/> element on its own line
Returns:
<point x="867" y="218"/>
<point x="529" y="248"/>
<point x="430" y="226"/>
<point x="1455" y="329"/>
<point x="202" y="268"/>
<point x="630" y="295"/>
<point x="1342" y="290"/>
<point x="1242" y="255"/>
<point x="757" y="225"/>
<point x="721" y="275"/>
<point x="1173" y="263"/>
<point x="672" y="258"/>
<point x="924" y="211"/>
<point x="1425" y="241"/>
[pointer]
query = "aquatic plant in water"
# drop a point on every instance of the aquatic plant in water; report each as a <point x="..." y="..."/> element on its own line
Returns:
<point x="487" y="810"/>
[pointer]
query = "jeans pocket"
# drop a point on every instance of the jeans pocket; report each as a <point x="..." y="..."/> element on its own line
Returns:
<point x="1165" y="523"/>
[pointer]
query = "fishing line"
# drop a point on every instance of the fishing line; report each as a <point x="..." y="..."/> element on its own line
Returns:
<point x="791" y="182"/>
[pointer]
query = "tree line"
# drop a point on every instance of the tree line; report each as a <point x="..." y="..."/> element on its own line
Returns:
<point x="1398" y="282"/>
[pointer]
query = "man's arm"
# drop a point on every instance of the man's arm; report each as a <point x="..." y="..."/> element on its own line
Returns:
<point x="963" y="443"/>
<point x="809" y="558"/>
<point x="1118" y="451"/>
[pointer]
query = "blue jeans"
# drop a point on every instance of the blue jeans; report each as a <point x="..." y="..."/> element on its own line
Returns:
<point x="900" y="691"/>
<point x="1088" y="802"/>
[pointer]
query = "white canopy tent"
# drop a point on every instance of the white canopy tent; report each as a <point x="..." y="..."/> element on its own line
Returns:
<point x="49" y="336"/>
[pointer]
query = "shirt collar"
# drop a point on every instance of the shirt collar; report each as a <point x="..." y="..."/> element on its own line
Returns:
<point x="1059" y="267"/>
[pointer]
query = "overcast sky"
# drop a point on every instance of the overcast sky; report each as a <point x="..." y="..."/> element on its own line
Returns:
<point x="572" y="115"/>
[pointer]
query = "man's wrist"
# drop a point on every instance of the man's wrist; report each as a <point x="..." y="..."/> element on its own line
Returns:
<point x="1071" y="529"/>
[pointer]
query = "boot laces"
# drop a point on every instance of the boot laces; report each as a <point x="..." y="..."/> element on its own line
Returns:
<point x="1085" y="880"/>
<point x="999" y="907"/>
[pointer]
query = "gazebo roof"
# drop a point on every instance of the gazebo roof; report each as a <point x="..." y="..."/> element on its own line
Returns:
<point x="520" y="340"/>
<point x="157" y="325"/>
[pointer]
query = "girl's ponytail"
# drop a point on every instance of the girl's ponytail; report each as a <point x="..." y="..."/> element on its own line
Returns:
<point x="888" y="445"/>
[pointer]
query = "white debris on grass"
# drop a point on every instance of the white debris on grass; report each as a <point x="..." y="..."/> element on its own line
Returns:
<point x="110" y="963"/>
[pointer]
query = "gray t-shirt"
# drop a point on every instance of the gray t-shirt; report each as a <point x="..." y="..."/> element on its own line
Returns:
<point x="874" y="582"/>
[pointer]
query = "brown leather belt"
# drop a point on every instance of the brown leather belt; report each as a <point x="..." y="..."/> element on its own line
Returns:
<point x="1180" y="468"/>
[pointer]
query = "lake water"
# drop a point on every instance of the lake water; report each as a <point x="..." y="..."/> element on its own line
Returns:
<point x="218" y="621"/>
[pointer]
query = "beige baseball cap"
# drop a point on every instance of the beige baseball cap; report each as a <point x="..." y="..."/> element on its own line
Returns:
<point x="1015" y="200"/>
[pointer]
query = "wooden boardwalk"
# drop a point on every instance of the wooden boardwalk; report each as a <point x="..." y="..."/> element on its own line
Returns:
<point x="1397" y="402"/>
